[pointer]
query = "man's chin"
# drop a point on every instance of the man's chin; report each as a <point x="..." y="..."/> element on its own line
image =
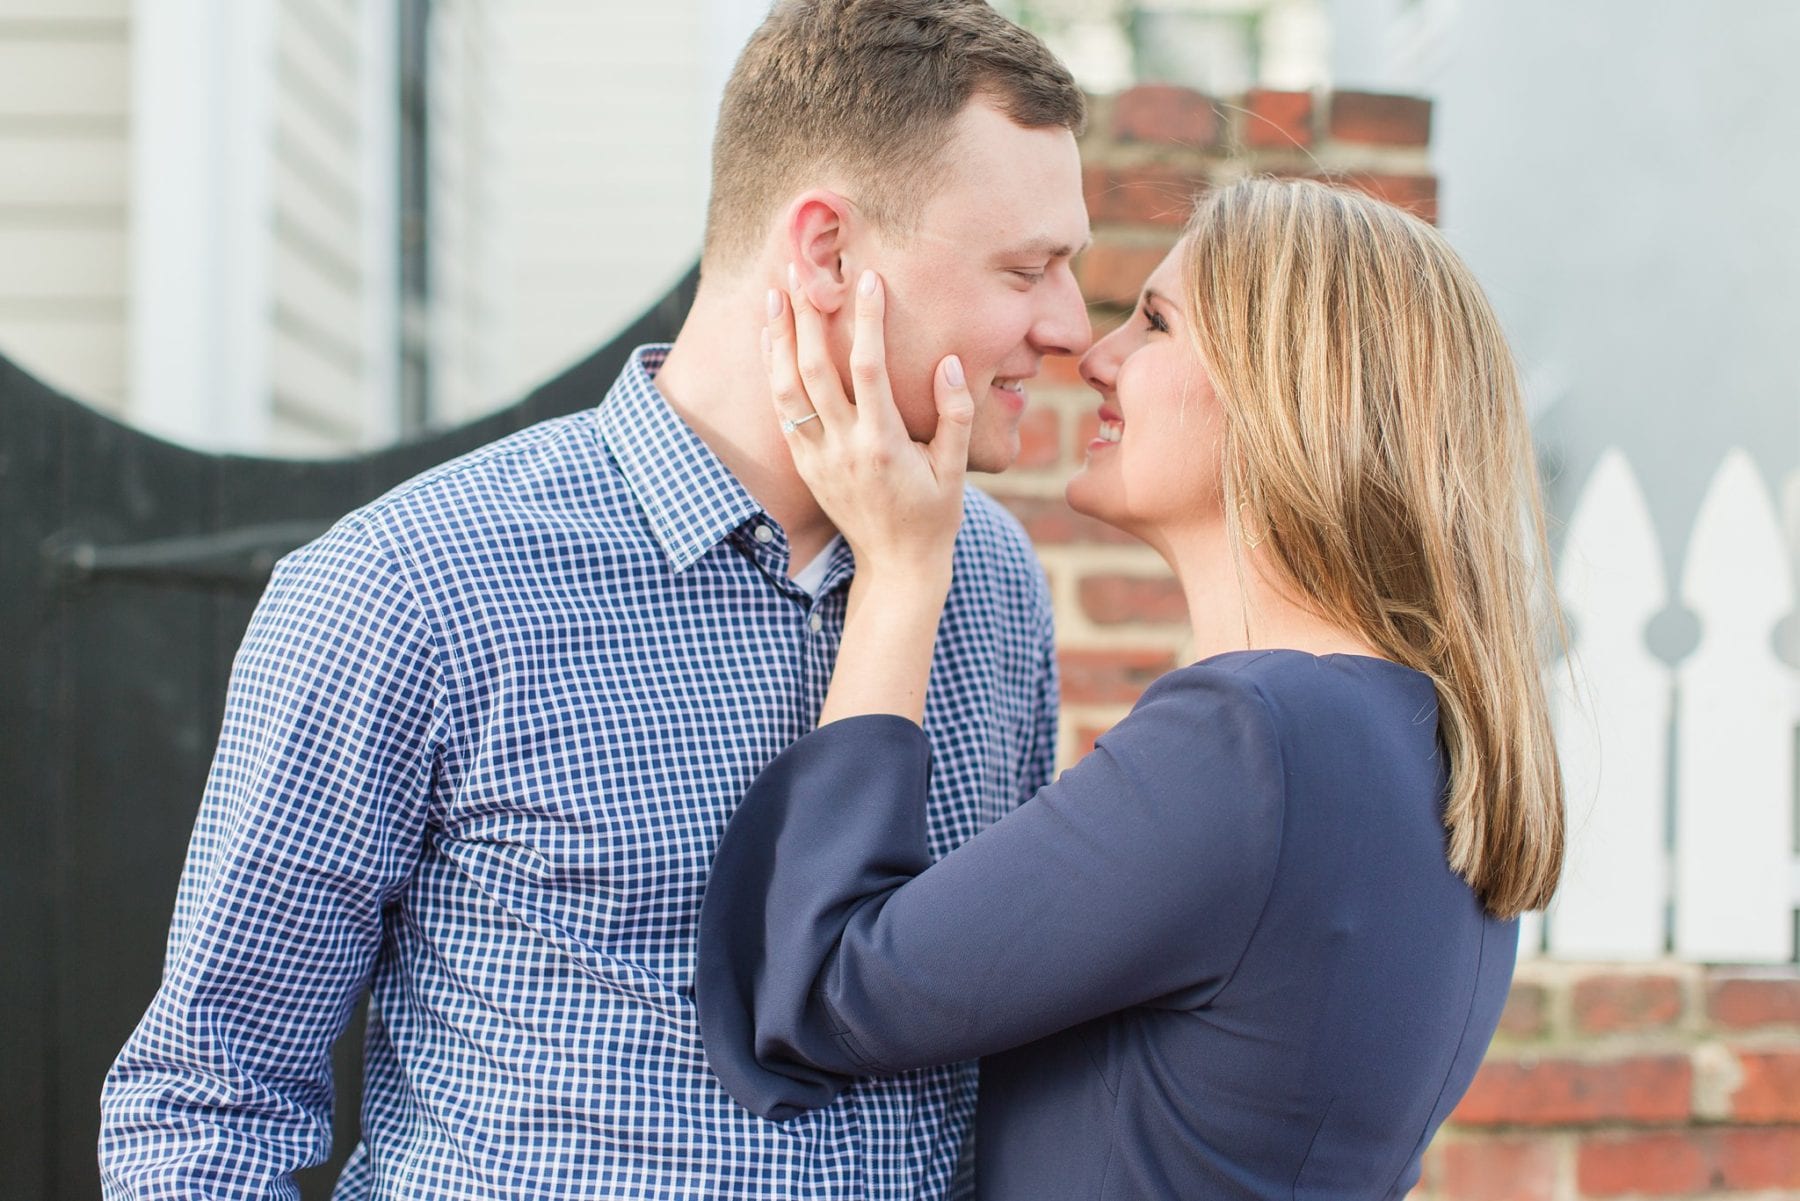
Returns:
<point x="996" y="466"/>
<point x="992" y="452"/>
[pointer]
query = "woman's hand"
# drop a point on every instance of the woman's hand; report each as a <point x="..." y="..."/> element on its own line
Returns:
<point x="897" y="503"/>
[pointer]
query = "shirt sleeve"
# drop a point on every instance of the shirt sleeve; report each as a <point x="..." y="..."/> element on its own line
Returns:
<point x="831" y="947"/>
<point x="312" y="819"/>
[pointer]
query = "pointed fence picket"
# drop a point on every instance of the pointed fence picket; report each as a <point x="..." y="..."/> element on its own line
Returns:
<point x="1612" y="722"/>
<point x="1681" y="782"/>
<point x="1734" y="820"/>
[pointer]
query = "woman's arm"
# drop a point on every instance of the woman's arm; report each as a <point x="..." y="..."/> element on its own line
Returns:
<point x="831" y="947"/>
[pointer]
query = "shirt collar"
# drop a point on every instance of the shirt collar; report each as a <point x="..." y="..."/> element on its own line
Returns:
<point x="691" y="499"/>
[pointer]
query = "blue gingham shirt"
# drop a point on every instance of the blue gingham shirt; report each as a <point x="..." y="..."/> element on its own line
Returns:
<point x="480" y="744"/>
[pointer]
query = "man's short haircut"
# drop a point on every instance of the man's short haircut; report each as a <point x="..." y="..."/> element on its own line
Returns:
<point x="869" y="89"/>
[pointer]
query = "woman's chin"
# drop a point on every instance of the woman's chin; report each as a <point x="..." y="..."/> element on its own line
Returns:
<point x="1084" y="495"/>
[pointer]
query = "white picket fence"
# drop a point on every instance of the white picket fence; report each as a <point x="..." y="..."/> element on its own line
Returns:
<point x="1681" y="780"/>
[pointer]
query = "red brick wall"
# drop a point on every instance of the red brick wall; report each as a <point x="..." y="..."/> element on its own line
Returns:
<point x="1665" y="1081"/>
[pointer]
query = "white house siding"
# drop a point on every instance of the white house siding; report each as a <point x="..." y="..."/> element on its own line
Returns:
<point x="608" y="126"/>
<point x="317" y="354"/>
<point x="468" y="310"/>
<point x="246" y="300"/>
<point x="64" y="163"/>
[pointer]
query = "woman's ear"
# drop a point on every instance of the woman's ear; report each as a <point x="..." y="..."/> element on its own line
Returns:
<point x="818" y="227"/>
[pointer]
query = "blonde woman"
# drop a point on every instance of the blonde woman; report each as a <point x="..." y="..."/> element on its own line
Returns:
<point x="1256" y="942"/>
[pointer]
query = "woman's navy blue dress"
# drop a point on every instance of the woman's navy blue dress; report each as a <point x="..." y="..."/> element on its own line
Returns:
<point x="1221" y="957"/>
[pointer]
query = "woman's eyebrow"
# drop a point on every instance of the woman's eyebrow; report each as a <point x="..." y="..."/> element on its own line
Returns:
<point x="1151" y="294"/>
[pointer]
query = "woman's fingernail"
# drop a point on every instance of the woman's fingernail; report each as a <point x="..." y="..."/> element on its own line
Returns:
<point x="774" y="305"/>
<point x="867" y="284"/>
<point x="953" y="371"/>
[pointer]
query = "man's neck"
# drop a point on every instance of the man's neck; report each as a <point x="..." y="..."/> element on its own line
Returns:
<point x="715" y="380"/>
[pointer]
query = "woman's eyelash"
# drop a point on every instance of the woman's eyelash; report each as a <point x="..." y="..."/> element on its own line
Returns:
<point x="1156" y="320"/>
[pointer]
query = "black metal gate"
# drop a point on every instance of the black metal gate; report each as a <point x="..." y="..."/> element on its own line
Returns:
<point x="128" y="570"/>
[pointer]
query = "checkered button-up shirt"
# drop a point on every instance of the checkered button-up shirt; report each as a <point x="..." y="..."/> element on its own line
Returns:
<point x="480" y="743"/>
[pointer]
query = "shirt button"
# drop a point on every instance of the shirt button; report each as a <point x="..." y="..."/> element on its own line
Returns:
<point x="815" y="623"/>
<point x="764" y="534"/>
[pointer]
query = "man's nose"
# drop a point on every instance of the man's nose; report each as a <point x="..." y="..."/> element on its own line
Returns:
<point x="1063" y="327"/>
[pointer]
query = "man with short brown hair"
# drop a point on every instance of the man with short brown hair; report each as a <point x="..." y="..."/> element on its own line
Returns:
<point x="482" y="737"/>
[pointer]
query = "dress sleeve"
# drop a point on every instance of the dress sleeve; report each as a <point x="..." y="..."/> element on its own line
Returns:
<point x="312" y="820"/>
<point x="831" y="947"/>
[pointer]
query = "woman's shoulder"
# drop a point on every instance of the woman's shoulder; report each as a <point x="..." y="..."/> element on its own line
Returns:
<point x="1207" y="720"/>
<point x="1249" y="711"/>
<point x="1248" y="704"/>
<point x="1294" y="685"/>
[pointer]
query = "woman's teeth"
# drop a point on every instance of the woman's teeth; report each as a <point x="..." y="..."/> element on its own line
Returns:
<point x="1111" y="431"/>
<point x="1015" y="386"/>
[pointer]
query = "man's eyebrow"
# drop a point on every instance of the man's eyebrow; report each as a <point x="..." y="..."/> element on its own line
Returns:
<point x="1047" y="248"/>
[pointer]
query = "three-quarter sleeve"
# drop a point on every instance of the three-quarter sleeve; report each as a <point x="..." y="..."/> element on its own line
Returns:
<point x="831" y="947"/>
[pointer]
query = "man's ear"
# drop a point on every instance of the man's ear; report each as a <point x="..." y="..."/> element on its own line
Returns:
<point x="820" y="223"/>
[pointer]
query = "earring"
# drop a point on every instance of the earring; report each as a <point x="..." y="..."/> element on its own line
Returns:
<point x="1244" y="527"/>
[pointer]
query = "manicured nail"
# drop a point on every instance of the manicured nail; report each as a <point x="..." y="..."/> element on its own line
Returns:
<point x="867" y="285"/>
<point x="953" y="374"/>
<point x="774" y="305"/>
<point x="793" y="278"/>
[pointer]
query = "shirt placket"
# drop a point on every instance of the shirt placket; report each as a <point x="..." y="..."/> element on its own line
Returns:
<point x="821" y="615"/>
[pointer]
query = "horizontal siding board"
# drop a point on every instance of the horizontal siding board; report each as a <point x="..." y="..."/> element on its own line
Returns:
<point x="53" y="125"/>
<point x="40" y="78"/>
<point x="330" y="122"/>
<point x="64" y="11"/>
<point x="322" y="169"/>
<point x="53" y="170"/>
<point x="328" y="30"/>
<point x="320" y="221"/>
<point x="291" y="323"/>
<point x="64" y="308"/>
<point x="56" y="264"/>
<point x="63" y="216"/>
<point x="319" y="79"/>
<point x="64" y="29"/>
<point x="315" y="388"/>
<point x="319" y="304"/>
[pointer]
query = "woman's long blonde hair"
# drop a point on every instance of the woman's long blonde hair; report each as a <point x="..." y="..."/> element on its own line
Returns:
<point x="1375" y="435"/>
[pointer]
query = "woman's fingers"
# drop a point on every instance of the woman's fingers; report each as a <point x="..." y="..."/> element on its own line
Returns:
<point x="812" y="357"/>
<point x="896" y="502"/>
<point x="949" y="449"/>
<point x="868" y="359"/>
<point x="792" y="405"/>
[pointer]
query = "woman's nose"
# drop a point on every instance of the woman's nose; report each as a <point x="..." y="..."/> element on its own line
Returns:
<point x="1099" y="367"/>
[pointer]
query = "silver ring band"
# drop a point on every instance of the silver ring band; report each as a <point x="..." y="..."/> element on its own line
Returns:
<point x="788" y="427"/>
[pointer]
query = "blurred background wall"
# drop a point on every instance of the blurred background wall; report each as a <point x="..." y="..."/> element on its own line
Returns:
<point x="306" y="227"/>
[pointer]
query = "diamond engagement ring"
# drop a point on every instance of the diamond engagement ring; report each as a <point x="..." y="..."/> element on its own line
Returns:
<point x="788" y="427"/>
